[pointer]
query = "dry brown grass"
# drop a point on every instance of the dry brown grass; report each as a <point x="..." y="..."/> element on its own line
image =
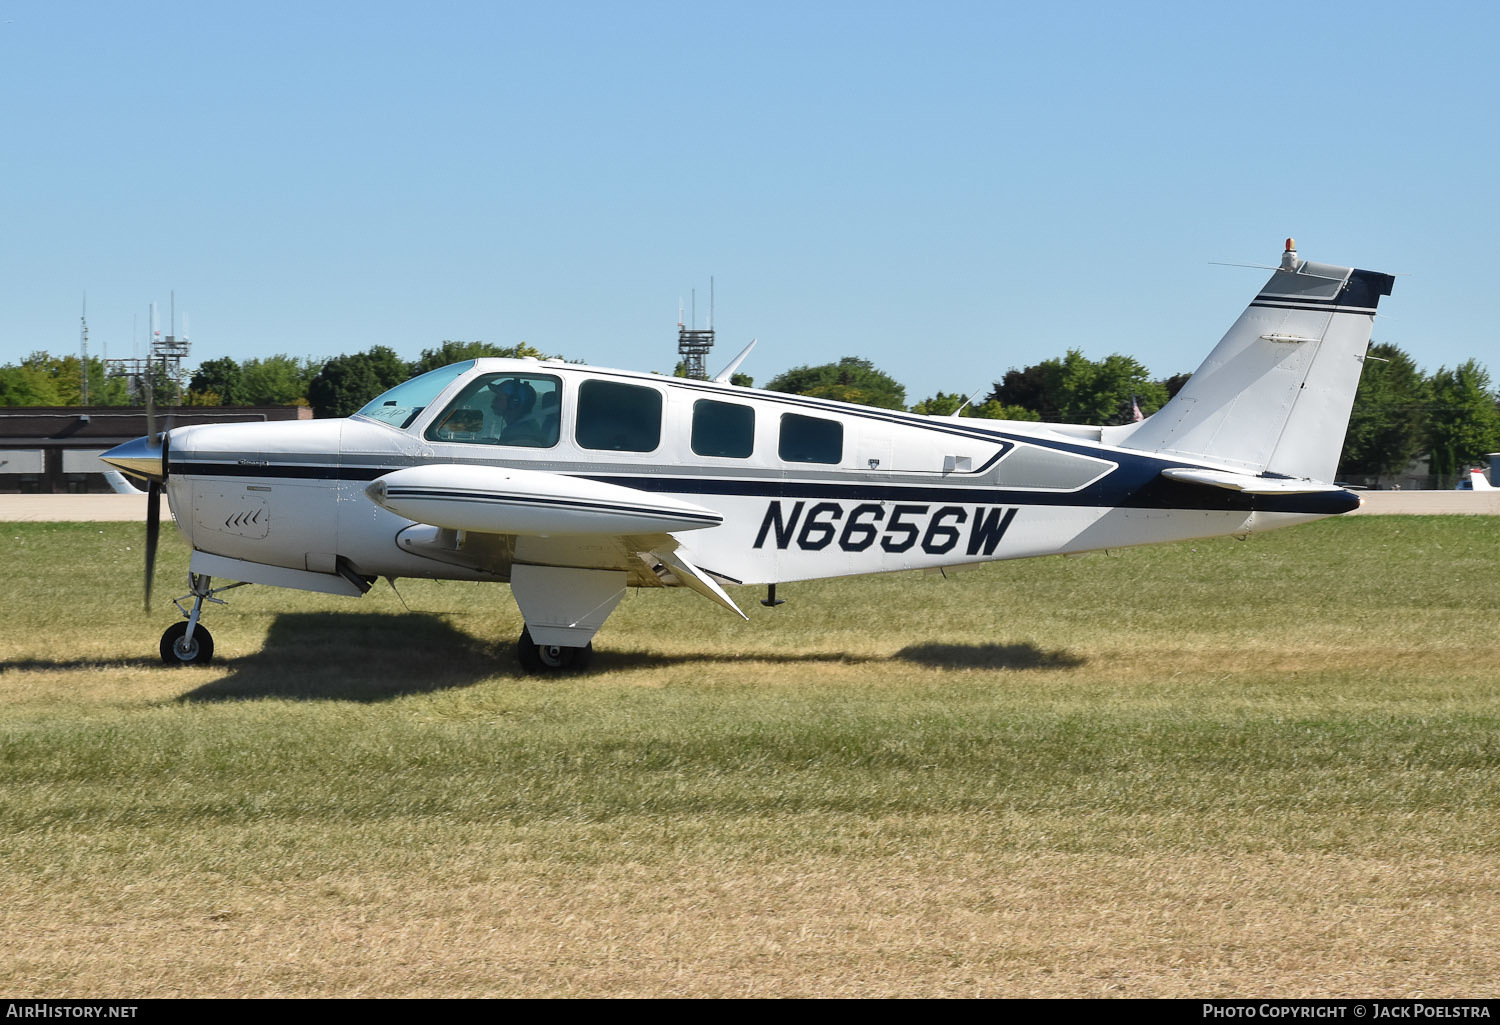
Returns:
<point x="1213" y="770"/>
<point x="909" y="923"/>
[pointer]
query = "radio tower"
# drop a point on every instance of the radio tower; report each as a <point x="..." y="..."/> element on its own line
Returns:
<point x="83" y="345"/>
<point x="172" y="349"/>
<point x="163" y="354"/>
<point x="693" y="345"/>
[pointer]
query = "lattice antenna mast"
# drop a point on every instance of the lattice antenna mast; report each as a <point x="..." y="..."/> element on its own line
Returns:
<point x="692" y="344"/>
<point x="165" y="353"/>
<point x="83" y="352"/>
<point x="172" y="350"/>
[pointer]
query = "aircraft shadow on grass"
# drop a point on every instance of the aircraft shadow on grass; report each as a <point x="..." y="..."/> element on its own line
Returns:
<point x="933" y="656"/>
<point x="355" y="657"/>
<point x="52" y="665"/>
<point x="989" y="656"/>
<point x="372" y="658"/>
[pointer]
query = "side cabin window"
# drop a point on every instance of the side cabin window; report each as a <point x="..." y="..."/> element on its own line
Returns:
<point x="619" y="417"/>
<point x="503" y="409"/>
<point x="810" y="439"/>
<point x="723" y="429"/>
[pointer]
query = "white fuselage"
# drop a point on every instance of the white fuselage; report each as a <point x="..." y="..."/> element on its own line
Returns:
<point x="811" y="488"/>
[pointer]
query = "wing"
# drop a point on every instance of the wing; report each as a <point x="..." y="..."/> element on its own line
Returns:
<point x="501" y="500"/>
<point x="570" y="543"/>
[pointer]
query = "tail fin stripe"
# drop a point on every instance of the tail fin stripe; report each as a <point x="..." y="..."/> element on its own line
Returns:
<point x="1316" y="308"/>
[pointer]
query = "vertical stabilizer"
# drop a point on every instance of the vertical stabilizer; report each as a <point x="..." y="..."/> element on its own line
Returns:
<point x="1275" y="394"/>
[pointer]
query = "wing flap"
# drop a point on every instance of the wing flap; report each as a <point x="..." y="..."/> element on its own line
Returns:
<point x="690" y="576"/>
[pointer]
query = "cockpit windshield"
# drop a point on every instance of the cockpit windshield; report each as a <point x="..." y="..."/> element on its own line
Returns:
<point x="405" y="402"/>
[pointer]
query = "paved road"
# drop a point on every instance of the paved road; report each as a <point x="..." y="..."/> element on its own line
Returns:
<point x="80" y="508"/>
<point x="103" y="508"/>
<point x="1427" y="503"/>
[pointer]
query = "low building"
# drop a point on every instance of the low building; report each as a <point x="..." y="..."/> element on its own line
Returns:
<point x="55" y="449"/>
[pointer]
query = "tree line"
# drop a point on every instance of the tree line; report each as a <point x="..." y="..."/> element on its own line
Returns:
<point x="1451" y="415"/>
<point x="332" y="387"/>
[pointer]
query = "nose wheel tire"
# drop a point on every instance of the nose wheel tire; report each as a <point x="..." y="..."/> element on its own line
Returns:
<point x="176" y="652"/>
<point x="550" y="658"/>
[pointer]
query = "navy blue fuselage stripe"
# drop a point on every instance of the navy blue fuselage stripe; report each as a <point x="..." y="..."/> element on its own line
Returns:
<point x="1136" y="484"/>
<point x="301" y="471"/>
<point x="1128" y="492"/>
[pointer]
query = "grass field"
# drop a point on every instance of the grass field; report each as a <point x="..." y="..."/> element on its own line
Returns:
<point x="1222" y="768"/>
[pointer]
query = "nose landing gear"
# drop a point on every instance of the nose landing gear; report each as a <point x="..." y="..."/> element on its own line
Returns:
<point x="190" y="643"/>
<point x="180" y="649"/>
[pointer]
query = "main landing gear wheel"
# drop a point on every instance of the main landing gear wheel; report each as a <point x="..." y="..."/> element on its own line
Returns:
<point x="198" y="651"/>
<point x="551" y="658"/>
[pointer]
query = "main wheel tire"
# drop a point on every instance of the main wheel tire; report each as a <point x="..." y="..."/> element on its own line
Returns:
<point x="199" y="651"/>
<point x="551" y="658"/>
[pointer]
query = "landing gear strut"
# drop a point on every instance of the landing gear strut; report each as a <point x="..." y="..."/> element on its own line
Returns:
<point x="551" y="658"/>
<point x="190" y="643"/>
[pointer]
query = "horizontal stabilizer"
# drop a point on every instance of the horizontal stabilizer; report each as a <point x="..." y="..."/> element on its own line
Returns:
<point x="1248" y="483"/>
<point x="724" y="376"/>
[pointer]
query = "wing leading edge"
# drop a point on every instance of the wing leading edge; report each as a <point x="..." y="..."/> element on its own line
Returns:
<point x="502" y="500"/>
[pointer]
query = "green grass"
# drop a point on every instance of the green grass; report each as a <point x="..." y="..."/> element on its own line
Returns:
<point x="1244" y="759"/>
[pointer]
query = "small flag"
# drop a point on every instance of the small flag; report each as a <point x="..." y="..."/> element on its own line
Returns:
<point x="1135" y="410"/>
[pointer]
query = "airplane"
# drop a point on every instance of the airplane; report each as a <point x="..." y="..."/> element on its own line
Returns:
<point x="1475" y="480"/>
<point x="572" y="482"/>
<point x="120" y="484"/>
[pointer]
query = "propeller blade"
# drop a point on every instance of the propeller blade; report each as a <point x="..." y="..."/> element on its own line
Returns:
<point x="153" y="529"/>
<point x="150" y="402"/>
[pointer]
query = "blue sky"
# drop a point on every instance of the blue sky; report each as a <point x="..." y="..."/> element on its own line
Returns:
<point x="947" y="189"/>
